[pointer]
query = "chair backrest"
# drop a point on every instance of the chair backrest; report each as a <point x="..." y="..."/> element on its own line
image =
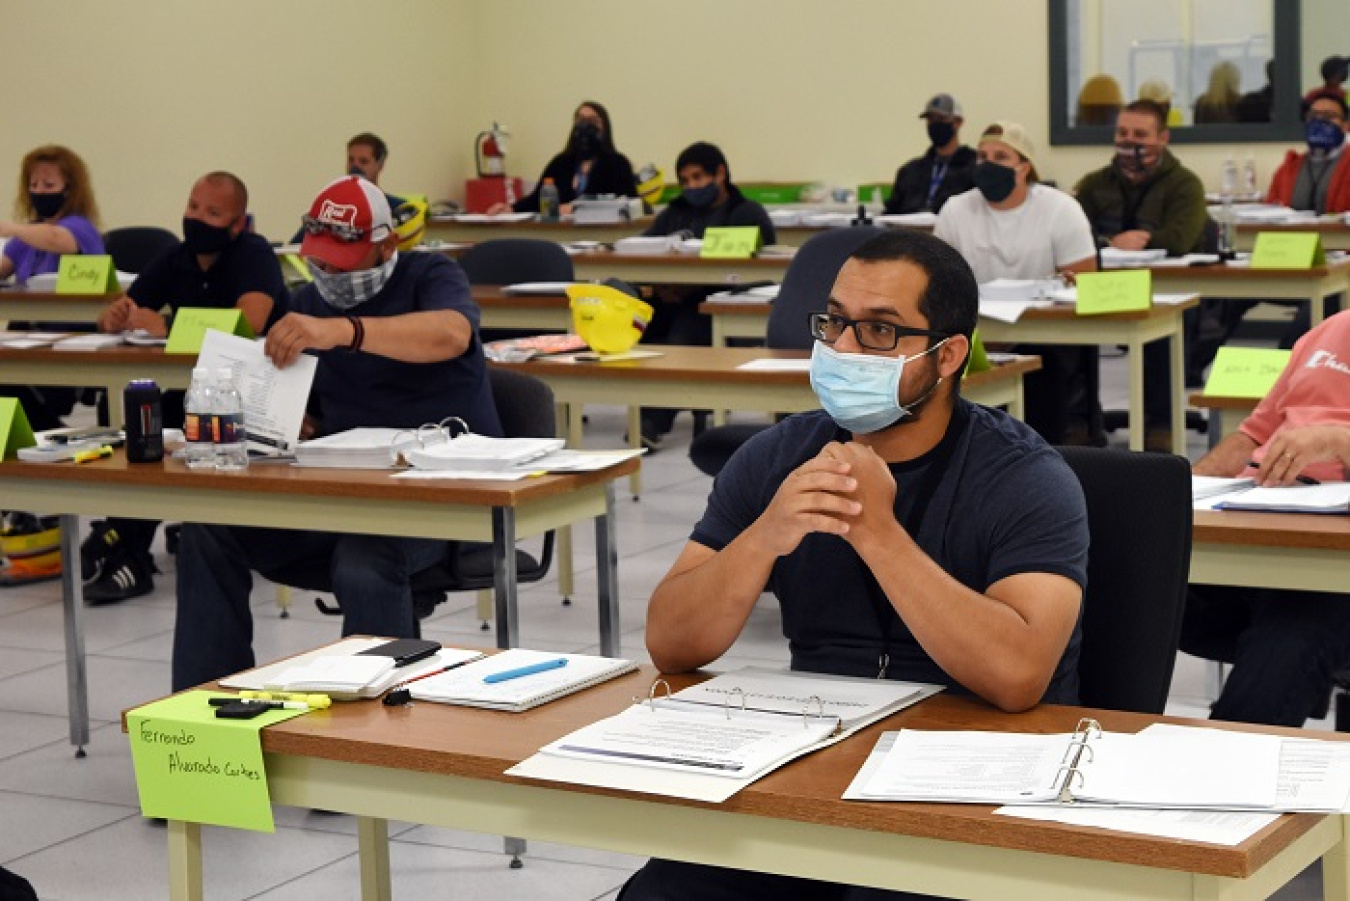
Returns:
<point x="1139" y="520"/>
<point x="524" y="404"/>
<point x="807" y="283"/>
<point x="133" y="248"/>
<point x="506" y="261"/>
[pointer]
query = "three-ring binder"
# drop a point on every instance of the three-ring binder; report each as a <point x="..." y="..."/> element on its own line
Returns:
<point x="1084" y="732"/>
<point x="737" y="692"/>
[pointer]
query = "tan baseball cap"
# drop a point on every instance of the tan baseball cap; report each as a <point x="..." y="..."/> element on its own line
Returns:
<point x="1012" y="134"/>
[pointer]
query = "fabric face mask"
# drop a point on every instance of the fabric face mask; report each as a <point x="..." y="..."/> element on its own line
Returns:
<point x="202" y="238"/>
<point x="47" y="205"/>
<point x="861" y="392"/>
<point x="940" y="133"/>
<point x="344" y="290"/>
<point x="1323" y="136"/>
<point x="1130" y="159"/>
<point x="995" y="182"/>
<point x="586" y="138"/>
<point x="701" y="197"/>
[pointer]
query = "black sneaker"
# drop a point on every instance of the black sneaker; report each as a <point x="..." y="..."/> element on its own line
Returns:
<point x="123" y="576"/>
<point x="95" y="550"/>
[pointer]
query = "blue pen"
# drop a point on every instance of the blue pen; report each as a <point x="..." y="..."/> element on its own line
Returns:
<point x="530" y="670"/>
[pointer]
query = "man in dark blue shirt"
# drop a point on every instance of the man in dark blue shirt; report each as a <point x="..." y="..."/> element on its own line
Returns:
<point x="907" y="534"/>
<point x="397" y="342"/>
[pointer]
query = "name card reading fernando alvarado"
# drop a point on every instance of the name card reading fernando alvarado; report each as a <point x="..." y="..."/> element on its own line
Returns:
<point x="192" y="766"/>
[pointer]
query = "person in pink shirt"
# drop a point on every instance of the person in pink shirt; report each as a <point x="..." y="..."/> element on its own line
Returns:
<point x="1288" y="643"/>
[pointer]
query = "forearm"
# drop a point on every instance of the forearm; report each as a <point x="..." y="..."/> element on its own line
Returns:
<point x="256" y="307"/>
<point x="1228" y="458"/>
<point x="41" y="236"/>
<point x="427" y="337"/>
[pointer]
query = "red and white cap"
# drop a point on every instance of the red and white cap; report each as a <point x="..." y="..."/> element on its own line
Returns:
<point x="359" y="216"/>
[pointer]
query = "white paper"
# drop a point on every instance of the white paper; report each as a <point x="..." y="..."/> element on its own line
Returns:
<point x="978" y="767"/>
<point x="766" y="364"/>
<point x="1009" y="310"/>
<point x="547" y="289"/>
<point x="1216" y="827"/>
<point x="497" y="217"/>
<point x="465" y="685"/>
<point x="1213" y="486"/>
<point x="87" y="342"/>
<point x="1115" y="258"/>
<point x="910" y="220"/>
<point x="1328" y="497"/>
<point x="274" y="399"/>
<point x="763" y="294"/>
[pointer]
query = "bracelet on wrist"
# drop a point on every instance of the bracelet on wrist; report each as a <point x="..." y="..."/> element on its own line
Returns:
<point x="358" y="333"/>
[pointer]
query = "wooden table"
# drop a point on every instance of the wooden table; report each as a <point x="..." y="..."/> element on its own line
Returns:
<point x="444" y="766"/>
<point x="1056" y="325"/>
<point x="564" y="231"/>
<point x="1335" y="232"/>
<point x="352" y="501"/>
<point x="676" y="268"/>
<point x="1300" y="551"/>
<point x="531" y="312"/>
<point x="22" y="305"/>
<point x="709" y="378"/>
<point x="1311" y="286"/>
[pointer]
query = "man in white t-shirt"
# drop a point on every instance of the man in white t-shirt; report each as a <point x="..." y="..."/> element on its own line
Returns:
<point x="1011" y="226"/>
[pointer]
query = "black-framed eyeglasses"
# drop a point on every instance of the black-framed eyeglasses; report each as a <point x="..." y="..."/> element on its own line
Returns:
<point x="348" y="233"/>
<point x="872" y="334"/>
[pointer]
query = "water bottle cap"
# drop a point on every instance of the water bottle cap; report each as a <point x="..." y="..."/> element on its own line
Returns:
<point x="201" y="372"/>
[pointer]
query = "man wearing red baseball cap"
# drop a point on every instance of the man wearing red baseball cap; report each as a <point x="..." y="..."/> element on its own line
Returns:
<point x="396" y="336"/>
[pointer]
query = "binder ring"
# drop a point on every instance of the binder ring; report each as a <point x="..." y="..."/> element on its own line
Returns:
<point x="806" y="711"/>
<point x="395" y="453"/>
<point x="651" y="693"/>
<point x="726" y="705"/>
<point x="446" y="426"/>
<point x="1088" y="728"/>
<point x="1071" y="771"/>
<point x="1081" y="746"/>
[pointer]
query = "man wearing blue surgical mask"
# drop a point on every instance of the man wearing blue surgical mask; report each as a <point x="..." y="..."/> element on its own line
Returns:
<point x="1318" y="179"/>
<point x="708" y="199"/>
<point x="946" y="169"/>
<point x="396" y="338"/>
<point x="905" y="532"/>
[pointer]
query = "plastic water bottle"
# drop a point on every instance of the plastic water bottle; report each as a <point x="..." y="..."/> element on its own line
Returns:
<point x="1229" y="182"/>
<point x="200" y="450"/>
<point x="1249" y="177"/>
<point x="548" y="201"/>
<point x="1227" y="229"/>
<point x="227" y="424"/>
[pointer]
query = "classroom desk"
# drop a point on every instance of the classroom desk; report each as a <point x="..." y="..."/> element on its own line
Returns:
<point x="19" y="304"/>
<point x="1056" y="325"/>
<point x="1301" y="551"/>
<point x="708" y="378"/>
<point x="444" y="766"/>
<point x="109" y="368"/>
<point x="532" y="312"/>
<point x="1335" y="233"/>
<point x="564" y="231"/>
<point x="1311" y="286"/>
<point x="676" y="268"/>
<point x="1224" y="412"/>
<point x="289" y="497"/>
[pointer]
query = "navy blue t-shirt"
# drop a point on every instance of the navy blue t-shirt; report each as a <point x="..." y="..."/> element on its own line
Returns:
<point x="248" y="264"/>
<point x="366" y="389"/>
<point x="1005" y="503"/>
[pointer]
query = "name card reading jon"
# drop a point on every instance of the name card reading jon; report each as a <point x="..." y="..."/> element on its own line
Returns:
<point x="192" y="766"/>
<point x="1245" y="371"/>
<point x="1118" y="291"/>
<point x="92" y="274"/>
<point x="730" y="243"/>
<point x="1288" y="250"/>
<point x="190" y="325"/>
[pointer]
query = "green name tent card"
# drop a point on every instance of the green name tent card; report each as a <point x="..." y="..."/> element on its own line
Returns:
<point x="730" y="243"/>
<point x="192" y="766"/>
<point x="1288" y="250"/>
<point x="978" y="361"/>
<point x="1245" y="371"/>
<point x="80" y="274"/>
<point x="190" y="325"/>
<point x="15" y="432"/>
<point x="1118" y="291"/>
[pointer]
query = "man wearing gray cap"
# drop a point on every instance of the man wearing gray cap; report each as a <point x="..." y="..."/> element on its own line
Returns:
<point x="946" y="169"/>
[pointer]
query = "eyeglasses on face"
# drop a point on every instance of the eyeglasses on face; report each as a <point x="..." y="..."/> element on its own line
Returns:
<point x="872" y="334"/>
<point x="348" y="233"/>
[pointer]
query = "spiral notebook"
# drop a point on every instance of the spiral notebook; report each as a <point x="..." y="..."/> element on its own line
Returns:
<point x="1209" y="769"/>
<point x="466" y="686"/>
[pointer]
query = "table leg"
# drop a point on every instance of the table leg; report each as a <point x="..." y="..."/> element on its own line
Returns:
<point x="1336" y="868"/>
<point x="635" y="442"/>
<point x="72" y="601"/>
<point x="372" y="841"/>
<point x="504" y="576"/>
<point x="1136" y="351"/>
<point x="1017" y="408"/>
<point x="1177" y="356"/>
<point x="1215" y="430"/>
<point x="185" y="861"/>
<point x="1318" y="307"/>
<point x="607" y="568"/>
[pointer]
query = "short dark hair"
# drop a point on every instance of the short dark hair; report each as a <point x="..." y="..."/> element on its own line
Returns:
<point x="1335" y="68"/>
<point x="1149" y="108"/>
<point x="1324" y="94"/>
<point x="951" y="301"/>
<point x="704" y="155"/>
<point x="377" y="146"/>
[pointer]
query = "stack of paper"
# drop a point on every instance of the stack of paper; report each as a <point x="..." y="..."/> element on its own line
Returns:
<point x="1115" y="258"/>
<point x="644" y="244"/>
<point x="557" y="676"/>
<point x="827" y="220"/>
<point x="545" y="289"/>
<point x="761" y="294"/>
<point x="1016" y="289"/>
<point x="29" y="340"/>
<point x="1212" y="486"/>
<point x="1330" y="497"/>
<point x="786" y="216"/>
<point x="481" y="453"/>
<point x="362" y="448"/>
<point x="91" y="341"/>
<point x="908" y="220"/>
<point x="306" y="669"/>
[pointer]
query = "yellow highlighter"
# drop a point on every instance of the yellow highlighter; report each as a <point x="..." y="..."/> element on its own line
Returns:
<point x="315" y="701"/>
<point x="97" y="453"/>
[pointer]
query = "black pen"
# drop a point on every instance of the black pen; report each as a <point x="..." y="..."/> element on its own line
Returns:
<point x="1302" y="480"/>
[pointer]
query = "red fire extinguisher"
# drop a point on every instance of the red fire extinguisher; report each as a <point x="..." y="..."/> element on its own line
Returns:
<point x="490" y="152"/>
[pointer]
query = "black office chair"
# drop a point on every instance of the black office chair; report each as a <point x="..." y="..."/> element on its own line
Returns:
<point x="133" y="248"/>
<point x="525" y="407"/>
<point x="504" y="261"/>
<point x="1139" y="520"/>
<point x="806" y="287"/>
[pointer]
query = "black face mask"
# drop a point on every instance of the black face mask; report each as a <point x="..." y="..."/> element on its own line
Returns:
<point x="47" y="205"/>
<point x="995" y="182"/>
<point x="586" y="140"/>
<point x="202" y="238"/>
<point x="940" y="132"/>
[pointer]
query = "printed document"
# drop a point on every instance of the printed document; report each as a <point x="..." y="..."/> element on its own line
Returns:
<point x="274" y="399"/>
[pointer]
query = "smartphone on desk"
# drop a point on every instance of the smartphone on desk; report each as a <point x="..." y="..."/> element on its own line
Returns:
<point x="404" y="650"/>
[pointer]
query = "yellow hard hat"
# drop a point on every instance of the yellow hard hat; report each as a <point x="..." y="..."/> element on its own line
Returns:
<point x="410" y="222"/>
<point x="607" y="319"/>
<point x="651" y="183"/>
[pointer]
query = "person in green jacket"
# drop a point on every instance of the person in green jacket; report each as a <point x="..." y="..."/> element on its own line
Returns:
<point x="1145" y="199"/>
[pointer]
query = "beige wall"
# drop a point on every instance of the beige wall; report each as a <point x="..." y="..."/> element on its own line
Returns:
<point x="155" y="92"/>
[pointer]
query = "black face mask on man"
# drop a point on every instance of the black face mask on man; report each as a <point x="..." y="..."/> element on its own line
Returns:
<point x="995" y="182"/>
<point x="940" y="133"/>
<point x="203" y="238"/>
<point x="1134" y="159"/>
<point x="47" y="205"/>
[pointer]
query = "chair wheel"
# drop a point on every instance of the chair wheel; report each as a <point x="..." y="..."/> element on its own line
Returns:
<point x="567" y="602"/>
<point x="486" y="626"/>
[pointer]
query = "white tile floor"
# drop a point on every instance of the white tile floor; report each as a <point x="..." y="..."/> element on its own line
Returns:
<point x="72" y="827"/>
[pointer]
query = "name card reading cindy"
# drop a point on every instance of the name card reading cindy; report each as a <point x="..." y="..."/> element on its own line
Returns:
<point x="192" y="766"/>
<point x="86" y="274"/>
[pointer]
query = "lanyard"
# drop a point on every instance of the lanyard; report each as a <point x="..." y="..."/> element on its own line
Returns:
<point x="939" y="173"/>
